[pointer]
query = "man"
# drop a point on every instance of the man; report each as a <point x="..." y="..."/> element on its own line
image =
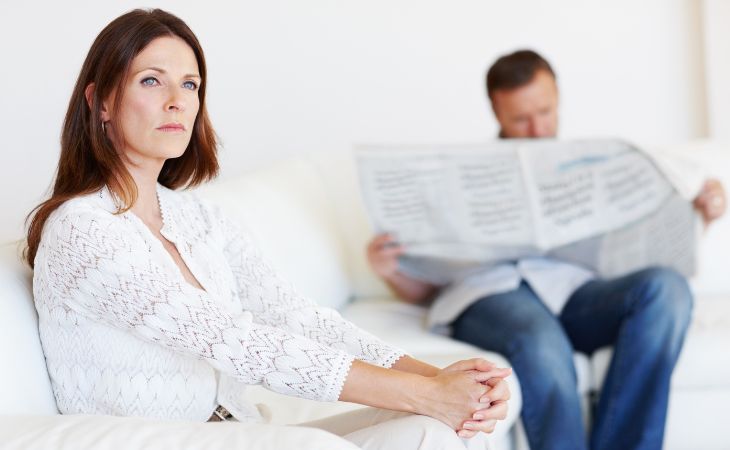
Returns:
<point x="643" y="315"/>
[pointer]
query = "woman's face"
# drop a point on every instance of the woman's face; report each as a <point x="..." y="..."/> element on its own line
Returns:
<point x="160" y="102"/>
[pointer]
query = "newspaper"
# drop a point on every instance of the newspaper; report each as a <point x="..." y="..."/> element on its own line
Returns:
<point x="602" y="204"/>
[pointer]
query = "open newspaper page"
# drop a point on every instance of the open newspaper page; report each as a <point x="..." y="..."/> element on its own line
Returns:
<point x="666" y="238"/>
<point x="602" y="204"/>
<point x="581" y="189"/>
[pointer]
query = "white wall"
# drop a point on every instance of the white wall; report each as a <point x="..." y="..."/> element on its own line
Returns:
<point x="288" y="76"/>
<point x="716" y="19"/>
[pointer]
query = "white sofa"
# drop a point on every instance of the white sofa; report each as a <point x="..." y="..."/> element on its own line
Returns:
<point x="307" y="215"/>
<point x="288" y="208"/>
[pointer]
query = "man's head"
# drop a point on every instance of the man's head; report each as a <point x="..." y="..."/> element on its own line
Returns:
<point x="524" y="95"/>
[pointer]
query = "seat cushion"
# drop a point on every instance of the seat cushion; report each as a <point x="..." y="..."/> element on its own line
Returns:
<point x="697" y="419"/>
<point x="82" y="432"/>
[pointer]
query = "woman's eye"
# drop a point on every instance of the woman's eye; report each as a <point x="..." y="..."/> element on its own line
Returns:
<point x="192" y="85"/>
<point x="149" y="81"/>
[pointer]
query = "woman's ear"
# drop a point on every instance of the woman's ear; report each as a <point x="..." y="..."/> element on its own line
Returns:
<point x="89" y="94"/>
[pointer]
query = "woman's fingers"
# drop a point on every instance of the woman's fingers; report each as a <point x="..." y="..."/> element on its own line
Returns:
<point x="484" y="420"/>
<point x="466" y="434"/>
<point x="493" y="373"/>
<point x="496" y="411"/>
<point x="498" y="391"/>
<point x="485" y="426"/>
<point x="479" y="364"/>
<point x="458" y="398"/>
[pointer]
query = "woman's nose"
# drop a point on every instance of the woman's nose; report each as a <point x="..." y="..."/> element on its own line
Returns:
<point x="175" y="102"/>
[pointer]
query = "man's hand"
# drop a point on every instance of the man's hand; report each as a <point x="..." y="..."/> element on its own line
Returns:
<point x="711" y="202"/>
<point x="383" y="252"/>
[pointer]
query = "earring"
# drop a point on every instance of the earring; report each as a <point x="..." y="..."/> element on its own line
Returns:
<point x="103" y="127"/>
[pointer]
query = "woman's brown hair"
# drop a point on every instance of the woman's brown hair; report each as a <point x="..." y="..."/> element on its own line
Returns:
<point x="88" y="160"/>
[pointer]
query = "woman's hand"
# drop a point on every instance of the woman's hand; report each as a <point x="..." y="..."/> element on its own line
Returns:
<point x="485" y="420"/>
<point x="453" y="397"/>
<point x="494" y="400"/>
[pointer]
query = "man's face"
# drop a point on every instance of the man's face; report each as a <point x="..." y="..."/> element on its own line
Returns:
<point x="529" y="111"/>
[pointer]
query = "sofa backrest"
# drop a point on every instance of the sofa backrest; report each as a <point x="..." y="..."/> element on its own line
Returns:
<point x="24" y="384"/>
<point x="288" y="211"/>
<point x="339" y="175"/>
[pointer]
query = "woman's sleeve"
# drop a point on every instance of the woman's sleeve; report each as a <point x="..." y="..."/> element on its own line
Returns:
<point x="105" y="274"/>
<point x="276" y="303"/>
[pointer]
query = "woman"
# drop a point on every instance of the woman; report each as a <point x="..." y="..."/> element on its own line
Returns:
<point x="152" y="304"/>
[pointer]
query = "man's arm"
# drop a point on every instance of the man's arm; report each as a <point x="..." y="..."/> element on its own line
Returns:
<point x="383" y="254"/>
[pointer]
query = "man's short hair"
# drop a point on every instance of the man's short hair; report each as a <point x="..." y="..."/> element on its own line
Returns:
<point x="515" y="70"/>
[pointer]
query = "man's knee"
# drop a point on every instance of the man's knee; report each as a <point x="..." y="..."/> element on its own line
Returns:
<point x="667" y="294"/>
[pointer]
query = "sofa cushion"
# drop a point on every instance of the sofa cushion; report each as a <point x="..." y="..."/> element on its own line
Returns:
<point x="80" y="432"/>
<point x="24" y="384"/>
<point x="697" y="419"/>
<point x="288" y="211"/>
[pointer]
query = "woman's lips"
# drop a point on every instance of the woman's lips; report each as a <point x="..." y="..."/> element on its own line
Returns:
<point x="172" y="128"/>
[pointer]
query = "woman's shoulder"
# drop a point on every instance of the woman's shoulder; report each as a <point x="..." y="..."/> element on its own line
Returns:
<point x="97" y="206"/>
<point x="85" y="223"/>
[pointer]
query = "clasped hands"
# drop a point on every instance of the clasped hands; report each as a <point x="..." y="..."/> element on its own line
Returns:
<point x="471" y="396"/>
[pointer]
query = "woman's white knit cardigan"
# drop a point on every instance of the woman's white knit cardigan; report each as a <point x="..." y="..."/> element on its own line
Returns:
<point x="125" y="334"/>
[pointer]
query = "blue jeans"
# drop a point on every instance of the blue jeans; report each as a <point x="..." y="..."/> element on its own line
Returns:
<point x="644" y="316"/>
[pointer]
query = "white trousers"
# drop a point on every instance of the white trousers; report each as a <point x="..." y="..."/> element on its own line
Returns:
<point x="381" y="429"/>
